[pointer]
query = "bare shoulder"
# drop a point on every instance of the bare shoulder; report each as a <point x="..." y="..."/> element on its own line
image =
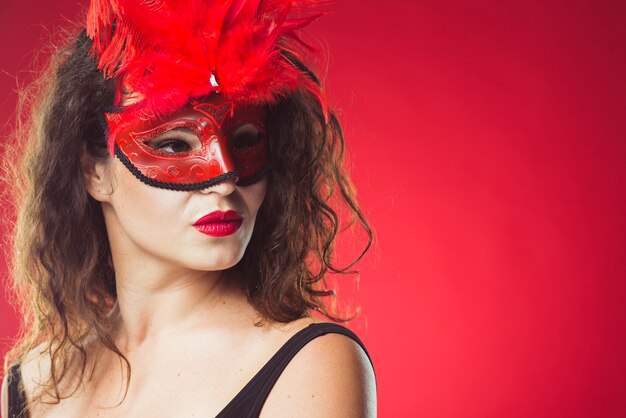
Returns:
<point x="34" y="370"/>
<point x="330" y="377"/>
<point x="29" y="368"/>
<point x="4" y="404"/>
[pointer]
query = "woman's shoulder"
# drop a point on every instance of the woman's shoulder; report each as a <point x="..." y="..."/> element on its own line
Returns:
<point x="20" y="377"/>
<point x="31" y="370"/>
<point x="4" y="397"/>
<point x="331" y="374"/>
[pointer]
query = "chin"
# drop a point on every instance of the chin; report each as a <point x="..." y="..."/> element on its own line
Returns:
<point x="215" y="262"/>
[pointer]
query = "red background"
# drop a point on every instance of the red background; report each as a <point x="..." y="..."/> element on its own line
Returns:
<point x="489" y="150"/>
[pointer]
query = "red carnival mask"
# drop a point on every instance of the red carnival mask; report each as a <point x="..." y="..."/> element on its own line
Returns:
<point x="202" y="144"/>
<point x="247" y="52"/>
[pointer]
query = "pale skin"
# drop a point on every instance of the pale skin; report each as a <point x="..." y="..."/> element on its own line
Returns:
<point x="190" y="334"/>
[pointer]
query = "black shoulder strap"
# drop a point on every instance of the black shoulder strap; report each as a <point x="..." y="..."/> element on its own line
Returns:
<point x="249" y="402"/>
<point x="17" y="400"/>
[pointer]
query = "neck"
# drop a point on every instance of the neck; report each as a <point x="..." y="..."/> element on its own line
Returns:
<point x="159" y="305"/>
<point x="159" y="298"/>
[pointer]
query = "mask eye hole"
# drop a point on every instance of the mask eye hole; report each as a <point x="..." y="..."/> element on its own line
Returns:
<point x="174" y="146"/>
<point x="246" y="136"/>
<point x="175" y="141"/>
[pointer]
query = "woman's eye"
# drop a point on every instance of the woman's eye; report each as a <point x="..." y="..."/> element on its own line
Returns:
<point x="173" y="146"/>
<point x="246" y="136"/>
<point x="175" y="141"/>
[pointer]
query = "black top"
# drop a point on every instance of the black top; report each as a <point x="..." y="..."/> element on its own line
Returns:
<point x="249" y="401"/>
<point x="17" y="402"/>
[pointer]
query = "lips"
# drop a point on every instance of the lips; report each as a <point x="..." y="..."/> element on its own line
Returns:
<point x="219" y="224"/>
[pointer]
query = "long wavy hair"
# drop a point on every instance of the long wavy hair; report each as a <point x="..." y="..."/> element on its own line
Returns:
<point x="63" y="276"/>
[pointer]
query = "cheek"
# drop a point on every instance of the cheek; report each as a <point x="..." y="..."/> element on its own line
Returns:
<point x="140" y="206"/>
<point x="254" y="194"/>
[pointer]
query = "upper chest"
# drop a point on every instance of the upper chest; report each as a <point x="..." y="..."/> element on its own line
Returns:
<point x="171" y="380"/>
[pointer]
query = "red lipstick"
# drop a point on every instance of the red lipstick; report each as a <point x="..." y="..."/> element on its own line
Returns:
<point x="219" y="224"/>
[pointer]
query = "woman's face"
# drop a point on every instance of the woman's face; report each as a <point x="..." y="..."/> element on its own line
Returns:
<point x="146" y="222"/>
<point x="207" y="229"/>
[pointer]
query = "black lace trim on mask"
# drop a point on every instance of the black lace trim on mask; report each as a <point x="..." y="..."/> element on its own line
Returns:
<point x="174" y="186"/>
<point x="254" y="178"/>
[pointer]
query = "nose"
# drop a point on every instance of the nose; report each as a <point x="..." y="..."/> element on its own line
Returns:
<point x="225" y="187"/>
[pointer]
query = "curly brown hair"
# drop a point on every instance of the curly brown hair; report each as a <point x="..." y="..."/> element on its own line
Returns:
<point x="62" y="271"/>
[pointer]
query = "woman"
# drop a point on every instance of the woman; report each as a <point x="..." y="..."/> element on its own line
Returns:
<point x="178" y="203"/>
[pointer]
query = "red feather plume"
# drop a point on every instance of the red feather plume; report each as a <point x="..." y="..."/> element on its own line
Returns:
<point x="171" y="50"/>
